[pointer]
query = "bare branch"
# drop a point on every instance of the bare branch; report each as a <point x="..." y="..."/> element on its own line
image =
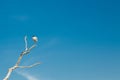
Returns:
<point x="19" y="59"/>
<point x="34" y="45"/>
<point x="26" y="43"/>
<point x="26" y="51"/>
<point x="30" y="65"/>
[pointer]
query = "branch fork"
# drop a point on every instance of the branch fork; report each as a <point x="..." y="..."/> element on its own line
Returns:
<point x="26" y="51"/>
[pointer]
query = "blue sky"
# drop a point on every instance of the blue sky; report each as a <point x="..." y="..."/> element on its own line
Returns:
<point x="78" y="39"/>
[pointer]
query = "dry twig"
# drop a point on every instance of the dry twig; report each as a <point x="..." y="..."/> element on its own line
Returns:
<point x="26" y="51"/>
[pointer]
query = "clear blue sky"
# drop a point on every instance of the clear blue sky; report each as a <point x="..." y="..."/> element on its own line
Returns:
<point x="78" y="39"/>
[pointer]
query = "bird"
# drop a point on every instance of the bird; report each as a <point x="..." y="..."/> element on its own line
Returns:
<point x="35" y="38"/>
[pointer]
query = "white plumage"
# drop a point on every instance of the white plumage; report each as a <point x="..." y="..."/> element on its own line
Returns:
<point x="34" y="38"/>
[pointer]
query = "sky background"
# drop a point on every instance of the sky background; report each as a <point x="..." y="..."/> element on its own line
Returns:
<point x="78" y="39"/>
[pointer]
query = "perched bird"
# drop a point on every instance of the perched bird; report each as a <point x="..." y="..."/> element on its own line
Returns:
<point x="34" y="38"/>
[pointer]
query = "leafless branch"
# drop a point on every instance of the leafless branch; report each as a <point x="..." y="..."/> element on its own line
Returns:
<point x="35" y="64"/>
<point x="26" y="51"/>
<point x="26" y="46"/>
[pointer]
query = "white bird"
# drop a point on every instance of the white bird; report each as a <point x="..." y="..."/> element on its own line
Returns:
<point x="35" y="39"/>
